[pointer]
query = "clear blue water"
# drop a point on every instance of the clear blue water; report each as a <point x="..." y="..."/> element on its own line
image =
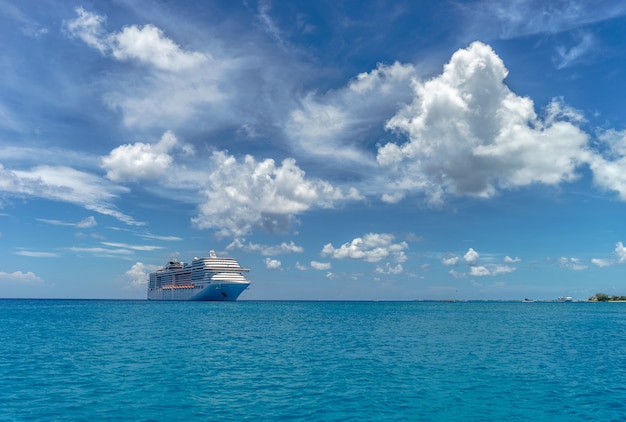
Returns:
<point x="311" y="361"/>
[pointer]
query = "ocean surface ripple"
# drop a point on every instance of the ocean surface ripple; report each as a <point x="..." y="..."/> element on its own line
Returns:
<point x="70" y="360"/>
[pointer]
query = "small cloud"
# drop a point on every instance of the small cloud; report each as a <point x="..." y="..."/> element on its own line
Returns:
<point x="450" y="261"/>
<point x="620" y="254"/>
<point x="389" y="269"/>
<point x="54" y="222"/>
<point x="620" y="251"/>
<point x="566" y="57"/>
<point x="272" y="264"/>
<point x="571" y="264"/>
<point x="19" y="277"/>
<point x="138" y="274"/>
<point x="471" y="257"/>
<point x="510" y="260"/>
<point x="87" y="222"/>
<point x="501" y="269"/>
<point x="392" y="198"/>
<point x="156" y="237"/>
<point x="479" y="271"/>
<point x="35" y="254"/>
<point x="599" y="262"/>
<point x="456" y="274"/>
<point x="320" y="265"/>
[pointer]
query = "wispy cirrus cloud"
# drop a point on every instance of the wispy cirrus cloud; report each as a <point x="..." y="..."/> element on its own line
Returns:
<point x="65" y="184"/>
<point x="158" y="237"/>
<point x="183" y="83"/>
<point x="87" y="222"/>
<point x="585" y="44"/>
<point x="517" y="18"/>
<point x="132" y="247"/>
<point x="37" y="254"/>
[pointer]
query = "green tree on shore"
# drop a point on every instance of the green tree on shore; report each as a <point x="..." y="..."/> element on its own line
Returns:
<point x="603" y="297"/>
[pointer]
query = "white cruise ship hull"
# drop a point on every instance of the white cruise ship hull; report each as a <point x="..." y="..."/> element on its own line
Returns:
<point x="212" y="292"/>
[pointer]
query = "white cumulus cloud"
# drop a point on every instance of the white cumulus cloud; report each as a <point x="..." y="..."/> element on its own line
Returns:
<point x="601" y="262"/>
<point x="147" y="44"/>
<point x="240" y="196"/>
<point x="450" y="261"/>
<point x="320" y="265"/>
<point x="141" y="161"/>
<point x="471" y="256"/>
<point x="137" y="276"/>
<point x="469" y="134"/>
<point x="372" y="247"/>
<point x="620" y="252"/>
<point x="272" y="264"/>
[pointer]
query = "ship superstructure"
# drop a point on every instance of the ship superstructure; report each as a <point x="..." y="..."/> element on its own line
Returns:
<point x="210" y="278"/>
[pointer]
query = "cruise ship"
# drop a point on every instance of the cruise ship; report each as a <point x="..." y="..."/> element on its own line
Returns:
<point x="210" y="278"/>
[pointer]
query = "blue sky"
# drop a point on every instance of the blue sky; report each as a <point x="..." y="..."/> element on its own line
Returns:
<point x="358" y="150"/>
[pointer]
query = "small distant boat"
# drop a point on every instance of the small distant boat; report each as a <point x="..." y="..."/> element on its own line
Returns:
<point x="527" y="300"/>
<point x="564" y="299"/>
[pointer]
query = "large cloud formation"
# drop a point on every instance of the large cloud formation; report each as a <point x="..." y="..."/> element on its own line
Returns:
<point x="468" y="134"/>
<point x="240" y="196"/>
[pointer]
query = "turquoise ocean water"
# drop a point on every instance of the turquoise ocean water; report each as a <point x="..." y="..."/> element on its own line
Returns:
<point x="95" y="360"/>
